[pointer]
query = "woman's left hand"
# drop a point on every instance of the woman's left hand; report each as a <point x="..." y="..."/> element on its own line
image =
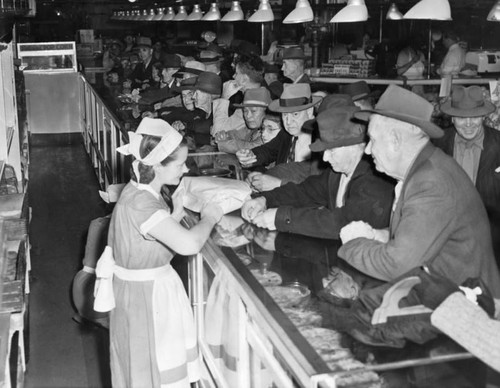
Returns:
<point x="178" y="203"/>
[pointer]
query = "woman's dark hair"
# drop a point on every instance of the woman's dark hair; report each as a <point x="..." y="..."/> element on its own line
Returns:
<point x="252" y="66"/>
<point x="147" y="173"/>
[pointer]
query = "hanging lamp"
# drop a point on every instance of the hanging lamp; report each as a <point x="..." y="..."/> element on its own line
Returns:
<point x="393" y="13"/>
<point x="213" y="13"/>
<point x="235" y="14"/>
<point x="263" y="14"/>
<point x="181" y="15"/>
<point x="196" y="14"/>
<point x="301" y="14"/>
<point x="494" y="15"/>
<point x="169" y="16"/>
<point x="354" y="11"/>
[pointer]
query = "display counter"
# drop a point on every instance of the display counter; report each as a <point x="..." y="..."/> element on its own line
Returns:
<point x="261" y="321"/>
<point x="403" y="82"/>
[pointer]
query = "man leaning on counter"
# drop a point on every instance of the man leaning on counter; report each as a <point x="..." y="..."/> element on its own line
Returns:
<point x="438" y="218"/>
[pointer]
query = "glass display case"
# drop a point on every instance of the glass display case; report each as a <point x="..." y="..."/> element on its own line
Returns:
<point x="47" y="56"/>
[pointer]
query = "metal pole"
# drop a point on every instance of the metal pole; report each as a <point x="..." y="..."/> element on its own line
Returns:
<point x="429" y="51"/>
<point x="263" y="39"/>
<point x="380" y="24"/>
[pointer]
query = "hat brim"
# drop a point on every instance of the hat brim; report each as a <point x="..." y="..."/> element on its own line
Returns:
<point x="320" y="145"/>
<point x="180" y="73"/>
<point x="429" y="128"/>
<point x="243" y="105"/>
<point x="309" y="125"/>
<point x="484" y="110"/>
<point x="305" y="57"/>
<point x="274" y="106"/>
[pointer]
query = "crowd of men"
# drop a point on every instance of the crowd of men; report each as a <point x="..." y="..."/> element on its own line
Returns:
<point x="398" y="191"/>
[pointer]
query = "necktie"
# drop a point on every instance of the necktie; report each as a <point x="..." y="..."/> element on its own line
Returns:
<point x="291" y="153"/>
<point x="468" y="161"/>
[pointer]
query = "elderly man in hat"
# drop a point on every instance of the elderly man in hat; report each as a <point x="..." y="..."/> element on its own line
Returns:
<point x="438" y="218"/>
<point x="296" y="106"/>
<point x="191" y="69"/>
<point x="142" y="75"/>
<point x="248" y="75"/>
<point x="297" y="172"/>
<point x="205" y="89"/>
<point x="254" y="109"/>
<point x="294" y="65"/>
<point x="167" y="67"/>
<point x="360" y="93"/>
<point x="476" y="148"/>
<point x="321" y="205"/>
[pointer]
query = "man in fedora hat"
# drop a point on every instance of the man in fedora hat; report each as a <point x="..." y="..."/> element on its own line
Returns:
<point x="254" y="109"/>
<point x="476" y="148"/>
<point x="296" y="106"/>
<point x="438" y="218"/>
<point x="248" y="75"/>
<point x="294" y="65"/>
<point x="360" y="93"/>
<point x="205" y="89"/>
<point x="321" y="205"/>
<point x="142" y="75"/>
<point x="297" y="172"/>
<point x="167" y="67"/>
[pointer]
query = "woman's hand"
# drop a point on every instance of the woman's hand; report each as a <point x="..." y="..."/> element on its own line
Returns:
<point x="178" y="212"/>
<point x="211" y="211"/>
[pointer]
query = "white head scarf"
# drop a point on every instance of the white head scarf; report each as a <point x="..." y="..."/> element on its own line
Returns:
<point x="170" y="140"/>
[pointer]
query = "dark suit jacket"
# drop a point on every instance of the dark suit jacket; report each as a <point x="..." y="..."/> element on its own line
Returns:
<point x="276" y="150"/>
<point x="142" y="74"/>
<point x="487" y="180"/>
<point x="309" y="208"/>
<point x="439" y="221"/>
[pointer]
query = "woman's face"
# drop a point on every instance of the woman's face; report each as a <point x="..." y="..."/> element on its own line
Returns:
<point x="172" y="173"/>
<point x="270" y="129"/>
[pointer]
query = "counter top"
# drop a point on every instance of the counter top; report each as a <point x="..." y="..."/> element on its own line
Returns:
<point x="269" y="260"/>
<point x="401" y="81"/>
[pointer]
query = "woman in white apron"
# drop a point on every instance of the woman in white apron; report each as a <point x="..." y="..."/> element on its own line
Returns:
<point x="152" y="334"/>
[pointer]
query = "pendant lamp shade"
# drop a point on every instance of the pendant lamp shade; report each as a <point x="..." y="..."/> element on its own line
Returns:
<point x="195" y="14"/>
<point x="393" y="13"/>
<point x="494" y="15"/>
<point x="301" y="14"/>
<point x="263" y="14"/>
<point x="430" y="10"/>
<point x="181" y="15"/>
<point x="159" y="15"/>
<point x="169" y="15"/>
<point x="212" y="14"/>
<point x="151" y="15"/>
<point x="354" y="11"/>
<point x="235" y="14"/>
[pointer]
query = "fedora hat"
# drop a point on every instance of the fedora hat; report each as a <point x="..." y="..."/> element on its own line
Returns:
<point x="271" y="68"/>
<point x="171" y="61"/>
<point x="294" y="53"/>
<point x="208" y="57"/>
<point x="467" y="102"/>
<point x="190" y="67"/>
<point x="330" y="101"/>
<point x="259" y="97"/>
<point x="336" y="129"/>
<point x="295" y="97"/>
<point x="207" y="82"/>
<point x="357" y="90"/>
<point x="143" y="41"/>
<point x="406" y="106"/>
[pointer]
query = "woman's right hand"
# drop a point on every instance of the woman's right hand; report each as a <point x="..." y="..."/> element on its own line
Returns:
<point x="212" y="211"/>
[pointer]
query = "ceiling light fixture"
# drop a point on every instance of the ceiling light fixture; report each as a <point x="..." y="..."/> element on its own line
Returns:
<point x="354" y="11"/>
<point x="301" y="14"/>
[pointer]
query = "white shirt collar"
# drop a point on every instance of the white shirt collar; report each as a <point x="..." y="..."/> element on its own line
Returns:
<point x="142" y="186"/>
